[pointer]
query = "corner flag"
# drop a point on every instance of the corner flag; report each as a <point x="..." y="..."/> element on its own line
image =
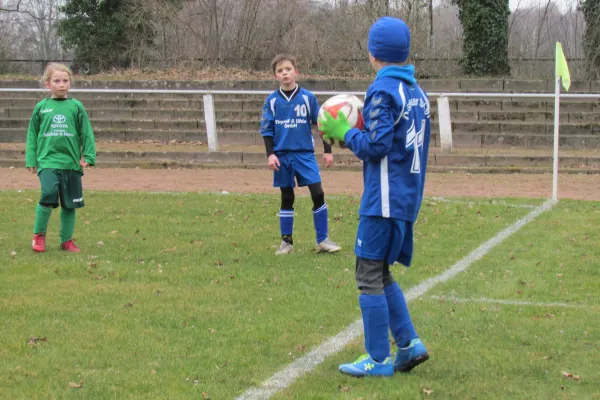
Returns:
<point x="562" y="69"/>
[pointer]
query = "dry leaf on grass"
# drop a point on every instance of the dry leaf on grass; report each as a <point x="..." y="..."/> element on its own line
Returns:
<point x="75" y="385"/>
<point x="35" y="340"/>
<point x="427" y="391"/>
<point x="569" y="375"/>
<point x="344" y="389"/>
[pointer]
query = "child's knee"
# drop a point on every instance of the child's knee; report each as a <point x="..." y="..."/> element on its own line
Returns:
<point x="369" y="276"/>
<point x="49" y="197"/>
<point x="317" y="195"/>
<point x="287" y="198"/>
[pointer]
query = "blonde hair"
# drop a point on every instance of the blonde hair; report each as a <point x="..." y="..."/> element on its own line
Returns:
<point x="282" y="57"/>
<point x="51" y="67"/>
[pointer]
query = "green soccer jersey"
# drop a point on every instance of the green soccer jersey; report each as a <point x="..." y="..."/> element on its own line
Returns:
<point x="59" y="134"/>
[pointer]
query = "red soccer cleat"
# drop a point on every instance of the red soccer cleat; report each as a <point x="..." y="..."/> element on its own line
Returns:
<point x="38" y="244"/>
<point x="70" y="246"/>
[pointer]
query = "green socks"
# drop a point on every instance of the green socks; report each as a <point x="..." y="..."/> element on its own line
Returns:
<point x="67" y="221"/>
<point x="42" y="216"/>
<point x="67" y="224"/>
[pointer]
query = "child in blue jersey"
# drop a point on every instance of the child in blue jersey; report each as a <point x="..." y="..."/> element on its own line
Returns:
<point x="286" y="126"/>
<point x="393" y="148"/>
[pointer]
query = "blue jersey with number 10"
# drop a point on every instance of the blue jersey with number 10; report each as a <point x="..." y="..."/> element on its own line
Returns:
<point x="288" y="120"/>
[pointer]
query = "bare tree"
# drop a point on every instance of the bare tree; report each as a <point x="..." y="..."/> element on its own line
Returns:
<point x="14" y="6"/>
<point x="37" y="28"/>
<point x="538" y="37"/>
<point x="325" y="35"/>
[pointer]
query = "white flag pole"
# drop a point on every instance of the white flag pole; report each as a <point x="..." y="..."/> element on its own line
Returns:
<point x="556" y="124"/>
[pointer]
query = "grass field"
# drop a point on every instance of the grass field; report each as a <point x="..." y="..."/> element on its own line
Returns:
<point x="180" y="296"/>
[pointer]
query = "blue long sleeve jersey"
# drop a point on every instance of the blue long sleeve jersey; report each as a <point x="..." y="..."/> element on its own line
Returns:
<point x="394" y="146"/>
<point x="288" y="120"/>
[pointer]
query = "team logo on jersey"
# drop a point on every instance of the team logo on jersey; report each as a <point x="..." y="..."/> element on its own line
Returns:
<point x="415" y="138"/>
<point x="59" y="119"/>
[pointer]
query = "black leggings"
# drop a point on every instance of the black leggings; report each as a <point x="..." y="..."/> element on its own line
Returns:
<point x="316" y="193"/>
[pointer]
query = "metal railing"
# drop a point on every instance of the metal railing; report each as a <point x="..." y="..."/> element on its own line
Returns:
<point x="444" y="115"/>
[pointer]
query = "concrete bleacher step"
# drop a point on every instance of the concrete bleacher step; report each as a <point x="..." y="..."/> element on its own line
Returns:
<point x="483" y="140"/>
<point x="196" y="156"/>
<point x="486" y="125"/>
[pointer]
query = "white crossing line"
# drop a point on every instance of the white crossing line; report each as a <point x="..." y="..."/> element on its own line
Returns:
<point x="490" y="202"/>
<point x="507" y="302"/>
<point x="307" y="363"/>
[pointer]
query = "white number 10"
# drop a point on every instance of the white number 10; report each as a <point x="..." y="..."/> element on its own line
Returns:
<point x="300" y="110"/>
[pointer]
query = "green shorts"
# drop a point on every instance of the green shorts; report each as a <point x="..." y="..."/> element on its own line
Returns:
<point x="61" y="184"/>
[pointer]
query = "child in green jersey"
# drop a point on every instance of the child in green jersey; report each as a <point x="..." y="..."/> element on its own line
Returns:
<point x="60" y="143"/>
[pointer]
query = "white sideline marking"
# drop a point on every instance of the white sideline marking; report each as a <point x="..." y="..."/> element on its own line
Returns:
<point x="483" y="202"/>
<point x="506" y="302"/>
<point x="285" y="377"/>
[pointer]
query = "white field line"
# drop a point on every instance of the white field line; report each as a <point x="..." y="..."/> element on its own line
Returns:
<point x="453" y="299"/>
<point x="305" y="364"/>
<point x="482" y="202"/>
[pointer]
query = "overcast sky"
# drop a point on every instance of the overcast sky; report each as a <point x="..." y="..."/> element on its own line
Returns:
<point x="563" y="4"/>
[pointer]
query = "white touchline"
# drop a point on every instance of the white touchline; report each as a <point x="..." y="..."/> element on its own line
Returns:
<point x="506" y="302"/>
<point x="491" y="202"/>
<point x="305" y="364"/>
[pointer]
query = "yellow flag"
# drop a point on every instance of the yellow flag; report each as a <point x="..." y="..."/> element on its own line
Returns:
<point x="562" y="69"/>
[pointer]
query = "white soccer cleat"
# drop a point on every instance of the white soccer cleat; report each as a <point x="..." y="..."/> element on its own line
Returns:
<point x="284" y="248"/>
<point x="327" y="246"/>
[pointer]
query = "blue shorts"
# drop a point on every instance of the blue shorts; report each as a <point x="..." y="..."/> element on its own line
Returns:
<point x="300" y="165"/>
<point x="386" y="239"/>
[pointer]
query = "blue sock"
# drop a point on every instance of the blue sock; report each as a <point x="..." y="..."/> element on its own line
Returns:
<point x="401" y="325"/>
<point x="320" y="217"/>
<point x="375" y="322"/>
<point x="286" y="222"/>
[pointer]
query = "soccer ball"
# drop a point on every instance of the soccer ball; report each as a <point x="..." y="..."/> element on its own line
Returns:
<point x="350" y="105"/>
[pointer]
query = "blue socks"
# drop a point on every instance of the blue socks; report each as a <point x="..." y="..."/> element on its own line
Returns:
<point x="401" y="325"/>
<point x="376" y="323"/>
<point x="286" y="222"/>
<point x="320" y="217"/>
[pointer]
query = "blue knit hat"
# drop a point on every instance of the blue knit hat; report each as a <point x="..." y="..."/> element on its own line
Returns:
<point x="389" y="40"/>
